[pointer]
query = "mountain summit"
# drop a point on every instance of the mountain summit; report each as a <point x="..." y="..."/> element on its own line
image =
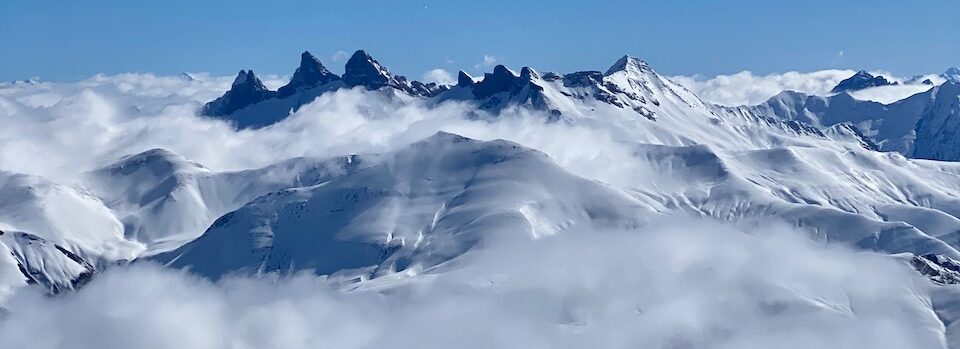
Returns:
<point x="861" y="80"/>
<point x="952" y="75"/>
<point x="628" y="63"/>
<point x="363" y="70"/>
<point x="249" y="104"/>
<point x="246" y="89"/>
<point x="311" y="73"/>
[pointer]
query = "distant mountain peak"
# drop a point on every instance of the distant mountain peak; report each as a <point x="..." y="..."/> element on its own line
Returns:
<point x="310" y="73"/>
<point x="362" y="70"/>
<point x="464" y="79"/>
<point x="187" y="77"/>
<point x="861" y="80"/>
<point x="528" y="74"/>
<point x="443" y="137"/>
<point x="246" y="78"/>
<point x="628" y="63"/>
<point x="246" y="89"/>
<point x="501" y="80"/>
<point x="952" y="74"/>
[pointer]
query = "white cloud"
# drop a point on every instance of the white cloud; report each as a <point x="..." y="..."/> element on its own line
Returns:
<point x="487" y="61"/>
<point x="95" y="122"/>
<point x="889" y="94"/>
<point x="745" y="88"/>
<point x="674" y="284"/>
<point x="339" y="56"/>
<point x="439" y="76"/>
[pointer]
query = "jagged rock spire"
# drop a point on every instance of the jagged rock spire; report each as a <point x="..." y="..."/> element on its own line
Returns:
<point x="311" y="73"/>
<point x="363" y="70"/>
<point x="501" y="80"/>
<point x="247" y="89"/>
<point x="247" y="80"/>
<point x="528" y="74"/>
<point x="464" y="79"/>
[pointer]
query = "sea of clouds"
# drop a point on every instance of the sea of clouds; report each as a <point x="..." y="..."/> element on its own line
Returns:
<point x="674" y="284"/>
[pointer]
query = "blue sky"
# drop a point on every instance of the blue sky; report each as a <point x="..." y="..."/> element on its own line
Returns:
<point x="71" y="40"/>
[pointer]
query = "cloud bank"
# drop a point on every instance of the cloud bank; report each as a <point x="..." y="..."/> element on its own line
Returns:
<point x="440" y="76"/>
<point x="674" y="284"/>
<point x="745" y="88"/>
<point x="60" y="131"/>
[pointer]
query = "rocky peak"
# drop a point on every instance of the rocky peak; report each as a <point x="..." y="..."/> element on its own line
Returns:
<point x="501" y="80"/>
<point x="247" y="89"/>
<point x="861" y="80"/>
<point x="528" y="74"/>
<point x="247" y="80"/>
<point x="464" y="79"/>
<point x="362" y="70"/>
<point x="583" y="79"/>
<point x="311" y="73"/>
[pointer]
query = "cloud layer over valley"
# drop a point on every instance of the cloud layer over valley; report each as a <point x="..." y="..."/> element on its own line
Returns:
<point x="675" y="284"/>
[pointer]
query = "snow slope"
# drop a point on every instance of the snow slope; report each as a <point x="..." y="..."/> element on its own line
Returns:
<point x="425" y="204"/>
<point x="165" y="200"/>
<point x="916" y="126"/>
<point x="55" y="235"/>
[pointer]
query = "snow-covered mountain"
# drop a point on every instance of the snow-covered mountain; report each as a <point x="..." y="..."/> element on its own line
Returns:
<point x="56" y="234"/>
<point x="861" y="80"/>
<point x="165" y="200"/>
<point x="422" y="205"/>
<point x="952" y="74"/>
<point x="432" y="201"/>
<point x="916" y="126"/>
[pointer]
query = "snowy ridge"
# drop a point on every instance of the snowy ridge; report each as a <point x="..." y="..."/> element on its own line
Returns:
<point x="251" y="105"/>
<point x="165" y="200"/>
<point x="913" y="126"/>
<point x="411" y="208"/>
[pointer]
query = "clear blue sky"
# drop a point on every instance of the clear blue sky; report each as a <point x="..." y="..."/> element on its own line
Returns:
<point x="70" y="40"/>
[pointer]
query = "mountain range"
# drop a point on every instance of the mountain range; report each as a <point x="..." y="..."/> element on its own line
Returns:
<point x="910" y="126"/>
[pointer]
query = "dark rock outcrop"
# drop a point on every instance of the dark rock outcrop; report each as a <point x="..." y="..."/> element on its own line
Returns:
<point x="246" y="90"/>
<point x="861" y="80"/>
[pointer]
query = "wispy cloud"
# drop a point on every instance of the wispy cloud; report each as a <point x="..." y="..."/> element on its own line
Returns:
<point x="339" y="56"/>
<point x="746" y="88"/>
<point x="440" y="76"/>
<point x="488" y="60"/>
